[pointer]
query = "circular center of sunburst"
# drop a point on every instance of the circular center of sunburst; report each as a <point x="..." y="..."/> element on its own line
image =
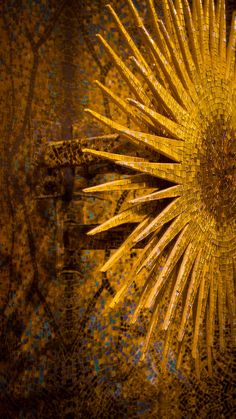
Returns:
<point x="217" y="170"/>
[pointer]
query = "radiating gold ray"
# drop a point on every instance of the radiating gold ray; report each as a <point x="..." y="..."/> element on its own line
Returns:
<point x="108" y="122"/>
<point x="151" y="329"/>
<point x="135" y="50"/>
<point x="171" y="192"/>
<point x="113" y="156"/>
<point x="156" y="29"/>
<point x="199" y="312"/>
<point x="130" y="79"/>
<point x="177" y="59"/>
<point x="179" y="9"/>
<point x="175" y="208"/>
<point x="132" y="182"/>
<point x="231" y="48"/>
<point x="200" y="270"/>
<point x="124" y="106"/>
<point x="135" y="13"/>
<point x="140" y="26"/>
<point x="167" y="171"/>
<point x="166" y="350"/>
<point x="120" y="293"/>
<point x="171" y="78"/>
<point x="127" y="216"/>
<point x="175" y="254"/>
<point x="167" y="124"/>
<point x="200" y="22"/>
<point x="193" y="36"/>
<point x="135" y="273"/>
<point x="213" y="34"/>
<point x="126" y="36"/>
<point x="176" y="226"/>
<point x="180" y="353"/>
<point x="168" y="22"/>
<point x="171" y="148"/>
<point x="222" y="34"/>
<point x="206" y="12"/>
<point x="186" y="266"/>
<point x="212" y="303"/>
<point x="189" y="64"/>
<point x="149" y="278"/>
<point x="125" y="247"/>
<point x="159" y="92"/>
<point x="221" y="299"/>
<point x="209" y="348"/>
<point x="204" y="307"/>
<point x="230" y="296"/>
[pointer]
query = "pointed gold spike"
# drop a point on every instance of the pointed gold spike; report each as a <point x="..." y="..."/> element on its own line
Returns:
<point x="165" y="98"/>
<point x="200" y="269"/>
<point x="198" y="317"/>
<point x="206" y="27"/>
<point x="209" y="349"/>
<point x="177" y="61"/>
<point x="175" y="254"/>
<point x="141" y="303"/>
<point x="201" y="306"/>
<point x="148" y="248"/>
<point x="130" y="79"/>
<point x="160" y="120"/>
<point x="132" y="182"/>
<point x="212" y="303"/>
<point x="181" y="351"/>
<point x="180" y="12"/>
<point x="150" y="278"/>
<point x="123" y="105"/>
<point x="176" y="226"/>
<point x="168" y="23"/>
<point x="231" y="48"/>
<point x="198" y="365"/>
<point x="141" y="27"/>
<point x="221" y="299"/>
<point x="120" y="293"/>
<point x="171" y="148"/>
<point x="171" y="192"/>
<point x="186" y="266"/>
<point x="213" y="34"/>
<point x="171" y="78"/>
<point x="113" y="156"/>
<point x="167" y="171"/>
<point x="187" y="57"/>
<point x="125" y="247"/>
<point x="160" y="39"/>
<point x="222" y="33"/>
<point x="200" y="24"/>
<point x="151" y="328"/>
<point x="194" y="42"/>
<point x="230" y="296"/>
<point x="165" y="354"/>
<point x="135" y="14"/>
<point x="128" y="216"/>
<point x="126" y="35"/>
<point x="175" y="208"/>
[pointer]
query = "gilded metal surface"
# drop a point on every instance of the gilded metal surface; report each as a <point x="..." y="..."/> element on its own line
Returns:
<point x="182" y="101"/>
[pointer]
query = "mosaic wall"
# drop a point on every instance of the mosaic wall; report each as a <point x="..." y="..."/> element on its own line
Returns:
<point x="63" y="354"/>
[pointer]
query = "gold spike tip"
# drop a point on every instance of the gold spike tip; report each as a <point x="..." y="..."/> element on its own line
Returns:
<point x="100" y="37"/>
<point x="192" y="104"/>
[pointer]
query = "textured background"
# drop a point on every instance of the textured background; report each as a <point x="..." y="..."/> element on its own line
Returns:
<point x="62" y="354"/>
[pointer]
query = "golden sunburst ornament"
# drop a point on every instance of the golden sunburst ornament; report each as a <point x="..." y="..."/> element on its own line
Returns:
<point x="184" y="108"/>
